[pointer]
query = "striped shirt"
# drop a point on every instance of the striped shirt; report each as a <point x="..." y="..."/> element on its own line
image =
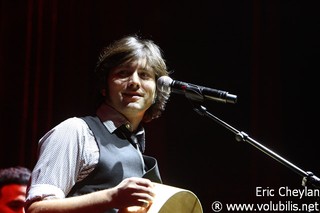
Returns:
<point x="68" y="153"/>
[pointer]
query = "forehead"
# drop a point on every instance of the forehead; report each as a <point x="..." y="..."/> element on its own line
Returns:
<point x="13" y="190"/>
<point x="137" y="62"/>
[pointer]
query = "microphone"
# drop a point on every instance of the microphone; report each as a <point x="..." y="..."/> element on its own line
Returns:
<point x="194" y="92"/>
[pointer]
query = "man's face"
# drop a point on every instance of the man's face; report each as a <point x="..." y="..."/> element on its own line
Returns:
<point x="12" y="198"/>
<point x="132" y="88"/>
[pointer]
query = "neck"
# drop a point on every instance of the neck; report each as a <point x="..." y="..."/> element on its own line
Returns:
<point x="134" y="122"/>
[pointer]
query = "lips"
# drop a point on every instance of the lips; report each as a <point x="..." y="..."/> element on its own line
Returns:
<point x="134" y="95"/>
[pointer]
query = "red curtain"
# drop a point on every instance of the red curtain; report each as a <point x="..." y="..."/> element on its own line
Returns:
<point x="260" y="50"/>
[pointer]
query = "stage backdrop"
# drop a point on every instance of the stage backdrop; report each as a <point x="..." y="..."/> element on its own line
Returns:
<point x="265" y="52"/>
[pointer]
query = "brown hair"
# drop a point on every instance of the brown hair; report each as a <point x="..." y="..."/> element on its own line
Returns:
<point x="125" y="50"/>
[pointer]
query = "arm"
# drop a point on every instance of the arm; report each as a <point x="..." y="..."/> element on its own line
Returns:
<point x="130" y="192"/>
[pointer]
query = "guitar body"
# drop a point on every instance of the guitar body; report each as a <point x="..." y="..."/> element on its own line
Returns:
<point x="169" y="199"/>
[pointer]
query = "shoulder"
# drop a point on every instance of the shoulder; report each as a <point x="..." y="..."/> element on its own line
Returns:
<point x="72" y="127"/>
<point x="71" y="122"/>
<point x="74" y="124"/>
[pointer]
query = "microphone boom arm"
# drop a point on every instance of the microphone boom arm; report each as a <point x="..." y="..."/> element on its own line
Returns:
<point x="308" y="177"/>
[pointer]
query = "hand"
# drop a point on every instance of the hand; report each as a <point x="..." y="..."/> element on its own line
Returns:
<point x="133" y="191"/>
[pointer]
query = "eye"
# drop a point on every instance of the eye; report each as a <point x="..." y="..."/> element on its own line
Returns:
<point x="146" y="75"/>
<point x="16" y="205"/>
<point x="122" y="72"/>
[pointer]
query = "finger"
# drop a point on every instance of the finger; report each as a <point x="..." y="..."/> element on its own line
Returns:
<point x="142" y="181"/>
<point x="143" y="203"/>
<point x="142" y="197"/>
<point x="143" y="190"/>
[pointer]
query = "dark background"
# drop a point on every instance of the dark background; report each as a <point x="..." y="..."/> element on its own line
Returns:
<point x="265" y="52"/>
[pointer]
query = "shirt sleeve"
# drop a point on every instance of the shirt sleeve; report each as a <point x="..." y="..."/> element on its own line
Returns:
<point x="66" y="155"/>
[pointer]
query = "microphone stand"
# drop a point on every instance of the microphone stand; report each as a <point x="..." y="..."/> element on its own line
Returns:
<point x="308" y="177"/>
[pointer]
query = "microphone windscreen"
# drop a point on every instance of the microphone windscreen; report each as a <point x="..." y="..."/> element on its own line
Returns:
<point x="164" y="84"/>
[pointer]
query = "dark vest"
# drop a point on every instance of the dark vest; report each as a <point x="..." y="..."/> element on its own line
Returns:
<point x="118" y="160"/>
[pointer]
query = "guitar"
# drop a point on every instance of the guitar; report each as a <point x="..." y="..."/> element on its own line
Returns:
<point x="169" y="199"/>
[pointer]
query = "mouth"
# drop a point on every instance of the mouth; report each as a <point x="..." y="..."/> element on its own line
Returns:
<point x="133" y="95"/>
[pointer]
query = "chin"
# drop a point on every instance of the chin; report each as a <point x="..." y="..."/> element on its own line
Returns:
<point x="134" y="106"/>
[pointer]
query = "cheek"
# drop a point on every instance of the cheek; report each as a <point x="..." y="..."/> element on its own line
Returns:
<point x="114" y="86"/>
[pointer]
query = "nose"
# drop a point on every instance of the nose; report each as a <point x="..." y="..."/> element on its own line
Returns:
<point x="134" y="80"/>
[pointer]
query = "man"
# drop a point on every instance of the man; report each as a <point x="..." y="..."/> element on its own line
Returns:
<point x="13" y="184"/>
<point x="96" y="163"/>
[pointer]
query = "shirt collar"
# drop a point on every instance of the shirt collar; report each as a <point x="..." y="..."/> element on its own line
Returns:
<point x="112" y="119"/>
